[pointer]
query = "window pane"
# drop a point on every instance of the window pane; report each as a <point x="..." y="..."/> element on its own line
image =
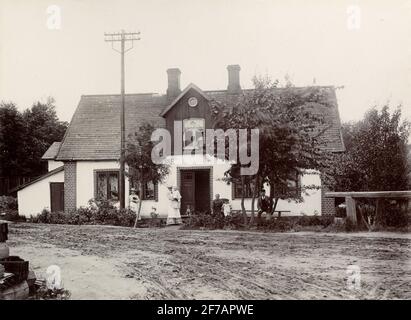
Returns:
<point x="101" y="186"/>
<point x="149" y="193"/>
<point x="193" y="130"/>
<point x="113" y="186"/>
<point x="249" y="189"/>
<point x="189" y="137"/>
<point x="237" y="190"/>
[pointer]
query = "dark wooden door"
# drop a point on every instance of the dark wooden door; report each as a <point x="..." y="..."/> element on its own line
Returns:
<point x="187" y="190"/>
<point x="57" y="196"/>
<point x="202" y="191"/>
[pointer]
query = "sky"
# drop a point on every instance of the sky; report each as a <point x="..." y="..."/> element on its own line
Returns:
<point x="363" y="47"/>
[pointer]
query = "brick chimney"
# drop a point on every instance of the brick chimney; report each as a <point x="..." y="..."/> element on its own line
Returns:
<point x="173" y="89"/>
<point x="233" y="78"/>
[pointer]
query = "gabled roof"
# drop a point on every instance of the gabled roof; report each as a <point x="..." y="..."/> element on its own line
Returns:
<point x="52" y="151"/>
<point x="94" y="131"/>
<point x="190" y="86"/>
<point x="48" y="174"/>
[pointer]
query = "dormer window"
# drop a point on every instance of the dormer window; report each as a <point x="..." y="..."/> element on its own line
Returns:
<point x="193" y="133"/>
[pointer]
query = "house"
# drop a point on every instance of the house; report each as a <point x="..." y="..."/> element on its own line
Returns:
<point x="85" y="164"/>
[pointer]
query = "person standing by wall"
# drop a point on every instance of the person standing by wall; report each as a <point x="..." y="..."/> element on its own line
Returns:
<point x="174" y="197"/>
<point x="217" y="206"/>
<point x="134" y="201"/>
<point x="264" y="204"/>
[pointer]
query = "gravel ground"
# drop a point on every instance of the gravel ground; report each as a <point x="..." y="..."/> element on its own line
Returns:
<point x="103" y="262"/>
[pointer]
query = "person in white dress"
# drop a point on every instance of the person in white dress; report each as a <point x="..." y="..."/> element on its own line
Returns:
<point x="174" y="197"/>
<point x="226" y="207"/>
<point x="134" y="201"/>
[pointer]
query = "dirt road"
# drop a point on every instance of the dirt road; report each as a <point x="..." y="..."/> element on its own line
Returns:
<point x="102" y="262"/>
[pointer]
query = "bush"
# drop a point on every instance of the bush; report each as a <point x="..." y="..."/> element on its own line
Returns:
<point x="393" y="216"/>
<point x="345" y="226"/>
<point x="323" y="221"/>
<point x="126" y="218"/>
<point x="280" y="224"/>
<point x="349" y="226"/>
<point x="14" y="216"/>
<point x="98" y="212"/>
<point x="52" y="217"/>
<point x="7" y="204"/>
<point x="236" y="222"/>
<point x="396" y="217"/>
<point x="204" y="221"/>
<point x="8" y="209"/>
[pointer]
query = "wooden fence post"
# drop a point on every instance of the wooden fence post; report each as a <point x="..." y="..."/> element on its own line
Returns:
<point x="351" y="211"/>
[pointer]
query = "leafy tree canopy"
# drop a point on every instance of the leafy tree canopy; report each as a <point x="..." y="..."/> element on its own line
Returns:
<point x="24" y="137"/>
<point x="376" y="153"/>
<point x="290" y="122"/>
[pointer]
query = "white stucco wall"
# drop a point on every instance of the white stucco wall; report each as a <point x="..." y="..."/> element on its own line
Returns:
<point x="85" y="178"/>
<point x="36" y="197"/>
<point x="311" y="201"/>
<point x="85" y="185"/>
<point x="54" y="164"/>
<point x="311" y="204"/>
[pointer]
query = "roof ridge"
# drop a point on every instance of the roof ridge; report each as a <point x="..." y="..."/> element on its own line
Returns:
<point x="205" y="91"/>
<point x="119" y="94"/>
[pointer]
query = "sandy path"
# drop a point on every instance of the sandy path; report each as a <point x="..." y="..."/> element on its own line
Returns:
<point x="102" y="262"/>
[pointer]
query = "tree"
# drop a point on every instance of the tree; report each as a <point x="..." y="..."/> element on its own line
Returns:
<point x="141" y="167"/>
<point x="376" y="158"/>
<point x="376" y="153"/>
<point x="24" y="137"/>
<point x="43" y="128"/>
<point x="12" y="137"/>
<point x="290" y="123"/>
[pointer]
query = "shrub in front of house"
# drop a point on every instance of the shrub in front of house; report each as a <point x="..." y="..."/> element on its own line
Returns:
<point x="203" y="221"/>
<point x="84" y="216"/>
<point x="126" y="218"/>
<point x="396" y="216"/>
<point x="236" y="222"/>
<point x="103" y="212"/>
<point x="7" y="203"/>
<point x="276" y="224"/>
<point x="8" y="209"/>
<point x="98" y="212"/>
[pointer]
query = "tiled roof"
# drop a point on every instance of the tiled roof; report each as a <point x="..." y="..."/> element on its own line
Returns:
<point x="94" y="131"/>
<point x="52" y="151"/>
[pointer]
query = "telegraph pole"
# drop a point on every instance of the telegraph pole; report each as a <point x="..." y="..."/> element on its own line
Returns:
<point x="122" y="37"/>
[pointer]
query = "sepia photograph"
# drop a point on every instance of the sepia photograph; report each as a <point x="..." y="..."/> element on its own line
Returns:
<point x="208" y="157"/>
